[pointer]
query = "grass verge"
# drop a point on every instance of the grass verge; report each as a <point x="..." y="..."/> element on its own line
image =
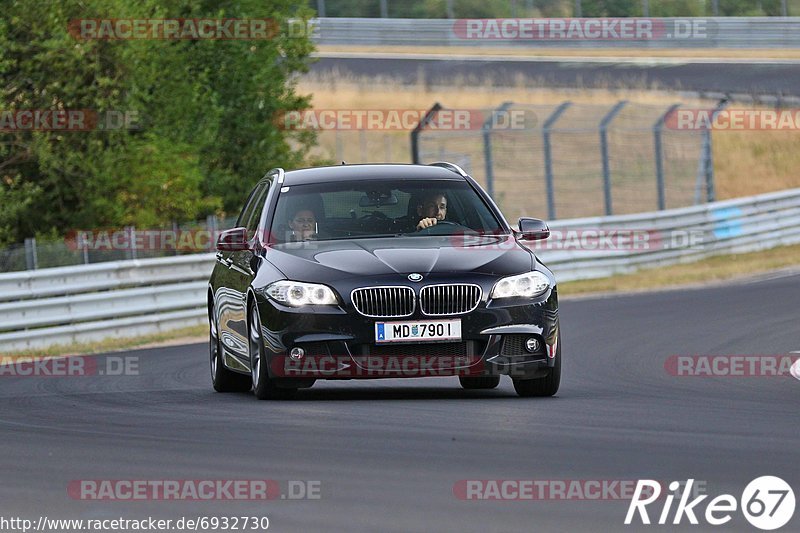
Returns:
<point x="719" y="268"/>
<point x="167" y="338"/>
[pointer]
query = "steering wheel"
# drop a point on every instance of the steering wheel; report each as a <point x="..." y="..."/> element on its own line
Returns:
<point x="430" y="230"/>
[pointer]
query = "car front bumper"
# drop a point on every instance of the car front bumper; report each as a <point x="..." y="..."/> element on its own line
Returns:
<point x="339" y="343"/>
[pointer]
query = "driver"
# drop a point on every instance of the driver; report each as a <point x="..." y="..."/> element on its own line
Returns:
<point x="431" y="210"/>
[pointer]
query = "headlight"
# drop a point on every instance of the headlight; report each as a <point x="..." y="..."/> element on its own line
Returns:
<point x="296" y="293"/>
<point x="525" y="285"/>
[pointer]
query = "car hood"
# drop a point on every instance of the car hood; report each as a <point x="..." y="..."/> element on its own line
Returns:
<point x="325" y="261"/>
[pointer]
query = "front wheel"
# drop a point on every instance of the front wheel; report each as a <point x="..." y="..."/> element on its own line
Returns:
<point x="544" y="386"/>
<point x="222" y="379"/>
<point x="264" y="387"/>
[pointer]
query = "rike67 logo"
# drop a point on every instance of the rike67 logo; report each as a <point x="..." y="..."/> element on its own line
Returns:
<point x="767" y="503"/>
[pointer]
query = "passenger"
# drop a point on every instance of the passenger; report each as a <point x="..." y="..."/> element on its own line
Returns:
<point x="303" y="225"/>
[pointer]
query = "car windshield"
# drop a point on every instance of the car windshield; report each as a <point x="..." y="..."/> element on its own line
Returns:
<point x="371" y="209"/>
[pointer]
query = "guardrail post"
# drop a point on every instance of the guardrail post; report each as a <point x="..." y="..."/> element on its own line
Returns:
<point x="659" y="156"/>
<point x="415" y="158"/>
<point x="604" y="153"/>
<point x="548" y="158"/>
<point x="488" y="160"/>
<point x="31" y="259"/>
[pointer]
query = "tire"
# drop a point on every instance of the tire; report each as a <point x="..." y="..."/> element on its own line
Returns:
<point x="483" y="382"/>
<point x="264" y="387"/>
<point x="222" y="379"/>
<point x="544" y="386"/>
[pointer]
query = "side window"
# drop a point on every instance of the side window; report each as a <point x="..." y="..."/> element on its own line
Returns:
<point x="247" y="211"/>
<point x="259" y="199"/>
<point x="251" y="214"/>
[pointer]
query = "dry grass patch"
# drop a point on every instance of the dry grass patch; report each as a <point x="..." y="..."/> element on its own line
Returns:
<point x="169" y="338"/>
<point x="719" y="268"/>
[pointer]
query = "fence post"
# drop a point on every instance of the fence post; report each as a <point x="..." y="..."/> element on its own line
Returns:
<point x="488" y="159"/>
<point x="339" y="147"/>
<point x="705" y="168"/>
<point x="548" y="158"/>
<point x="175" y="233"/>
<point x="31" y="259"/>
<point x="415" y="158"/>
<point x="604" y="153"/>
<point x="131" y="251"/>
<point x="659" y="156"/>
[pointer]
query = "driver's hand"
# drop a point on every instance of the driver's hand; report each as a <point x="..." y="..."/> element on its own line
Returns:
<point x="426" y="223"/>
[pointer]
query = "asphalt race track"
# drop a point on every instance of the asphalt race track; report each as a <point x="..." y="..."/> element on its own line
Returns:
<point x="388" y="453"/>
<point x="757" y="77"/>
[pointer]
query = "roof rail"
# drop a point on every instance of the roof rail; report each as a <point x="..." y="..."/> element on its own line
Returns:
<point x="450" y="166"/>
<point x="279" y="172"/>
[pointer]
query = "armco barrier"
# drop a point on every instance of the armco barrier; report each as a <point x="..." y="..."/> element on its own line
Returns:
<point x="718" y="32"/>
<point x="130" y="298"/>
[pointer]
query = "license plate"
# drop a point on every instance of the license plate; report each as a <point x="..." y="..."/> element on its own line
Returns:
<point x="423" y="330"/>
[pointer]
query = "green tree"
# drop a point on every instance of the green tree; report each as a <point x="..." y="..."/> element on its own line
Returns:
<point x="206" y="110"/>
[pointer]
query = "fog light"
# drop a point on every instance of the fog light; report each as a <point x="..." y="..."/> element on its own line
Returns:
<point x="532" y="344"/>
<point x="297" y="353"/>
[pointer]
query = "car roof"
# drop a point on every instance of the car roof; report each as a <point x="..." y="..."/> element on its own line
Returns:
<point x="369" y="172"/>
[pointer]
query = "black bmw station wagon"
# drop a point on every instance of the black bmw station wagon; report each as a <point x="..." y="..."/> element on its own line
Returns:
<point x="376" y="271"/>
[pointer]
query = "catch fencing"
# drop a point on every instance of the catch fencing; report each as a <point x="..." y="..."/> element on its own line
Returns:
<point x="130" y="298"/>
<point x="571" y="160"/>
<point x="100" y="245"/>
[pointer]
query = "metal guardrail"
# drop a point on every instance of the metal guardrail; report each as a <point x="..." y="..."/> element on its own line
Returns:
<point x="731" y="226"/>
<point x="720" y="32"/>
<point x="131" y="298"/>
<point x="86" y="303"/>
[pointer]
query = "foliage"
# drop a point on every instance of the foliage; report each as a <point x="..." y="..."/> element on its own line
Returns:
<point x="205" y="112"/>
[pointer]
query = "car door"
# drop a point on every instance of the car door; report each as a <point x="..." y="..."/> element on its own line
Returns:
<point x="240" y="273"/>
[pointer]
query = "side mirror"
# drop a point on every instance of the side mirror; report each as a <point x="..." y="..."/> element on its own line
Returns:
<point x="233" y="240"/>
<point x="533" y="229"/>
